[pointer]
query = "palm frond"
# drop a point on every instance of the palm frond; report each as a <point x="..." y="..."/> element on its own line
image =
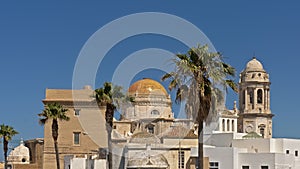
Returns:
<point x="53" y="111"/>
<point x="7" y="132"/>
<point x="232" y="85"/>
<point x="229" y="70"/>
<point x="166" y="76"/>
<point x="202" y="72"/>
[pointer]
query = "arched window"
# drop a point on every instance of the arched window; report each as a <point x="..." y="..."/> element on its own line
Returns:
<point x="228" y="125"/>
<point x="251" y="96"/>
<point x="232" y="125"/>
<point x="223" y="125"/>
<point x="262" y="131"/>
<point x="150" y="128"/>
<point x="259" y="96"/>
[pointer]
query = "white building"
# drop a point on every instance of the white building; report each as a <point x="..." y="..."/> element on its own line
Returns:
<point x="253" y="147"/>
<point x="19" y="155"/>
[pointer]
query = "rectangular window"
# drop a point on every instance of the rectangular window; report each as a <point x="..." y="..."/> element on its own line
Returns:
<point x="180" y="159"/>
<point x="76" y="112"/>
<point x="76" y="136"/>
<point x="296" y="153"/>
<point x="287" y="151"/>
<point x="264" y="167"/>
<point x="245" y="167"/>
<point x="213" y="165"/>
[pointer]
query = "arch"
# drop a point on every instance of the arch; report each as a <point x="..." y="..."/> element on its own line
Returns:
<point x="259" y="96"/>
<point x="251" y="97"/>
<point x="223" y="125"/>
<point x="233" y="126"/>
<point x="150" y="128"/>
<point x="262" y="131"/>
<point x="228" y="125"/>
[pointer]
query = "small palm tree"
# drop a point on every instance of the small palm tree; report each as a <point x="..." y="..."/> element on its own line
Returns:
<point x="7" y="132"/>
<point x="54" y="112"/>
<point x="111" y="97"/>
<point x="199" y="78"/>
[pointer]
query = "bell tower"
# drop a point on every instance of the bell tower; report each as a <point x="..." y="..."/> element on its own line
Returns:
<point x="254" y="100"/>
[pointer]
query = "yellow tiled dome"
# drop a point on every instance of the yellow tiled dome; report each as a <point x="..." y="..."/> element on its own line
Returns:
<point x="147" y="86"/>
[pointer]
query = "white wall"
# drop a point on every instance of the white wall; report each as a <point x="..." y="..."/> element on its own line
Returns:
<point x="256" y="160"/>
<point x="221" y="139"/>
<point x="78" y="163"/>
<point x="99" y="164"/>
<point x="227" y="157"/>
<point x="272" y="160"/>
<point x="253" y="145"/>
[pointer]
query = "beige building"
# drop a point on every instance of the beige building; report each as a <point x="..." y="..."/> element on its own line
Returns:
<point x="83" y="135"/>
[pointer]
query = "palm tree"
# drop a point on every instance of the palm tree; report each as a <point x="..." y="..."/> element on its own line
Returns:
<point x="199" y="78"/>
<point x="111" y="97"/>
<point x="7" y="132"/>
<point x="55" y="112"/>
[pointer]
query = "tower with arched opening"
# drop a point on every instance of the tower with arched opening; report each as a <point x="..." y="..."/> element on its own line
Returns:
<point x="254" y="100"/>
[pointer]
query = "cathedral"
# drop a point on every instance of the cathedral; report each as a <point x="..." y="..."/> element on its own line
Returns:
<point x="151" y="115"/>
<point x="149" y="136"/>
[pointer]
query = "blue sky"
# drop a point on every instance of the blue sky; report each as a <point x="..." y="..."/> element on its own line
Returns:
<point x="40" y="43"/>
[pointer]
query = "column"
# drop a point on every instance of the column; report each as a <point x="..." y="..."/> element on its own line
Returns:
<point x="235" y="125"/>
<point x="254" y="98"/>
<point x="265" y="99"/>
<point x="246" y="99"/>
<point x="263" y="96"/>
<point x="220" y="124"/>
<point x="268" y="99"/>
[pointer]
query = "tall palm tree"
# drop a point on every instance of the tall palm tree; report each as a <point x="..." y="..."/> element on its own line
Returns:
<point x="55" y="112"/>
<point x="111" y="97"/>
<point x="7" y="132"/>
<point x="199" y="78"/>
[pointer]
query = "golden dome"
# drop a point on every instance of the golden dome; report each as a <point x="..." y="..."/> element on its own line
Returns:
<point x="147" y="86"/>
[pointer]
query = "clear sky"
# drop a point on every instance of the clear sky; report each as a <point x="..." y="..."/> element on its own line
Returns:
<point x="40" y="43"/>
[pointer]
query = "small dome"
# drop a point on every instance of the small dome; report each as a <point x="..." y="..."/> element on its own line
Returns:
<point x="144" y="138"/>
<point x="148" y="160"/>
<point x="252" y="135"/>
<point x="147" y="87"/>
<point x="19" y="155"/>
<point x="254" y="65"/>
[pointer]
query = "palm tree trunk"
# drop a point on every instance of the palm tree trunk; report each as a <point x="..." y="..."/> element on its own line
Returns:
<point x="55" y="137"/>
<point x="200" y="145"/>
<point x="57" y="155"/>
<point x="5" y="148"/>
<point x="109" y="114"/>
